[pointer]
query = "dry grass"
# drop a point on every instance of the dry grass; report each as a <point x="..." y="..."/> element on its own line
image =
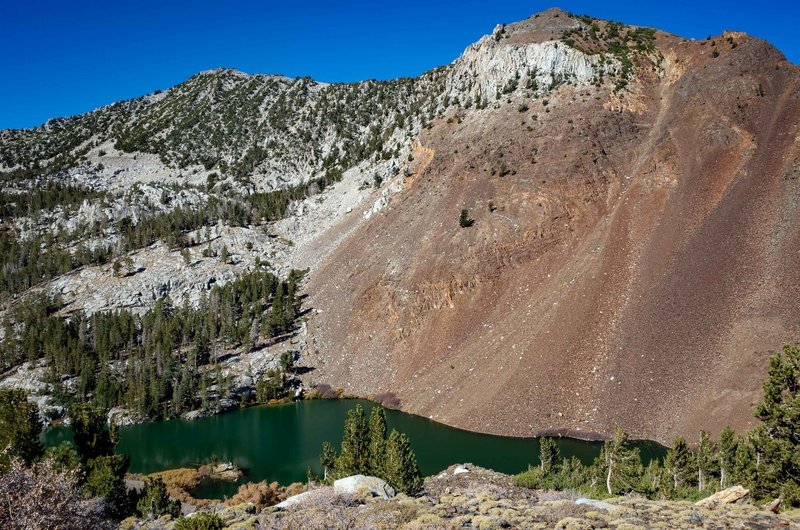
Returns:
<point x="262" y="494"/>
<point x="179" y="482"/>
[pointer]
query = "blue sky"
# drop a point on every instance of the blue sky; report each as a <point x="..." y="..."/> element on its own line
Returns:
<point x="67" y="57"/>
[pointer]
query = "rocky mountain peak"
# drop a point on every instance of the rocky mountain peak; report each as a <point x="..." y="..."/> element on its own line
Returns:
<point x="545" y="25"/>
<point x="530" y="54"/>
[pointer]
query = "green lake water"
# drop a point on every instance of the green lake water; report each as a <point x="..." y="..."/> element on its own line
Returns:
<point x="280" y="442"/>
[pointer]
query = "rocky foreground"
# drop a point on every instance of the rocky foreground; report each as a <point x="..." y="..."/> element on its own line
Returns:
<point x="471" y="497"/>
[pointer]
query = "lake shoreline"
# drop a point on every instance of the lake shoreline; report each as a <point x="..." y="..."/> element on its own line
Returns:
<point x="280" y="442"/>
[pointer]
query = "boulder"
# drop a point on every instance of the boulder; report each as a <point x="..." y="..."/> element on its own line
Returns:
<point x="122" y="417"/>
<point x="459" y="470"/>
<point x="730" y="495"/>
<point x="193" y="415"/>
<point x="294" y="500"/>
<point x="362" y="484"/>
<point x="226" y="405"/>
<point x="773" y="506"/>
<point x="600" y="505"/>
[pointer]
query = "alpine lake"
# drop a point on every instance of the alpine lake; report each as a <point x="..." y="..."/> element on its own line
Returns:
<point x="281" y="442"/>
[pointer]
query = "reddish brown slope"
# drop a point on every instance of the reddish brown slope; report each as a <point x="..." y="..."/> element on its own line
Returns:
<point x="640" y="266"/>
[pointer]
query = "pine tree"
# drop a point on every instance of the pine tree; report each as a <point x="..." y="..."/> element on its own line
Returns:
<point x="549" y="455"/>
<point x="276" y="323"/>
<point x="156" y="501"/>
<point x="400" y="466"/>
<point x="20" y="427"/>
<point x="93" y="437"/>
<point x="464" y="220"/>
<point x="653" y="480"/>
<point x="377" y="440"/>
<point x="354" y="454"/>
<point x="105" y="477"/>
<point x="777" y="439"/>
<point x="328" y="460"/>
<point x="745" y="464"/>
<point x="704" y="461"/>
<point x="726" y="455"/>
<point x="679" y="464"/>
<point x="621" y="464"/>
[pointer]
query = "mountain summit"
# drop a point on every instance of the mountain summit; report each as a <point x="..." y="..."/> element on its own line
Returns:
<point x="576" y="224"/>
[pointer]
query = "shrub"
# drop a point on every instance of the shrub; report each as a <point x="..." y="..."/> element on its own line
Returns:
<point x="464" y="220"/>
<point x="156" y="501"/>
<point x="262" y="494"/>
<point x="105" y="478"/>
<point x="200" y="521"/>
<point x="41" y="496"/>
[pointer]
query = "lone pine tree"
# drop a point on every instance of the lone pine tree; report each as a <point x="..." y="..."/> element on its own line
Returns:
<point x="377" y="441"/>
<point x="705" y="462"/>
<point x="620" y="463"/>
<point x="549" y="455"/>
<point x="354" y="455"/>
<point x="401" y="470"/>
<point x="679" y="465"/>
<point x="464" y="220"/>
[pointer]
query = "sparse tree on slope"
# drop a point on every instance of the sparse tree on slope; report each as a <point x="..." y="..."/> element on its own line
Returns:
<point x="156" y="501"/>
<point x="354" y="455"/>
<point x="726" y="455"/>
<point x="377" y="440"/>
<point x="105" y="477"/>
<point x="777" y="439"/>
<point x="679" y="464"/>
<point x="105" y="471"/>
<point x="704" y="461"/>
<point x="620" y="463"/>
<point x="401" y="470"/>
<point x="328" y="460"/>
<point x="549" y="455"/>
<point x="93" y="437"/>
<point x="464" y="220"/>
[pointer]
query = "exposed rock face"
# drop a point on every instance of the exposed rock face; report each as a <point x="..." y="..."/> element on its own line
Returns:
<point x="491" y="66"/>
<point x="145" y="200"/>
<point x="122" y="417"/>
<point x="630" y="262"/>
<point x="32" y="377"/>
<point x="158" y="272"/>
